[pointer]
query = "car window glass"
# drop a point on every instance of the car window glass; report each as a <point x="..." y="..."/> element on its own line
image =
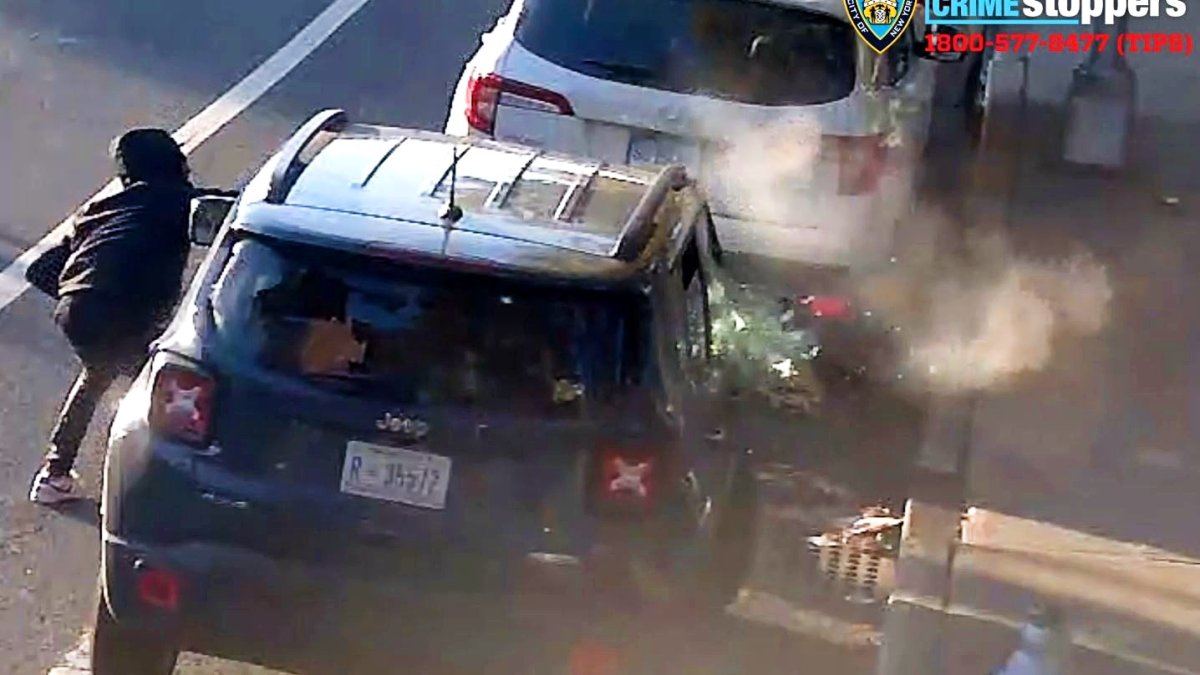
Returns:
<point x="714" y="241"/>
<point x="425" y="338"/>
<point x="695" y="304"/>
<point x="700" y="215"/>
<point x="669" y="333"/>
<point x="751" y="52"/>
<point x="249" y="270"/>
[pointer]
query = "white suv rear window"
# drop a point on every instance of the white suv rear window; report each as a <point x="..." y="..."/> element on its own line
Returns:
<point x="751" y="52"/>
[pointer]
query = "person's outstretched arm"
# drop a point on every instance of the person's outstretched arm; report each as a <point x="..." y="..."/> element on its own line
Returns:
<point x="215" y="192"/>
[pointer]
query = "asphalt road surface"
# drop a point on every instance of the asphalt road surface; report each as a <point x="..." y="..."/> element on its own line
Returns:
<point x="74" y="74"/>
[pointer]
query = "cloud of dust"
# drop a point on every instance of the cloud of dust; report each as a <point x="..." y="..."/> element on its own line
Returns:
<point x="972" y="319"/>
<point x="759" y="168"/>
<point x="990" y="315"/>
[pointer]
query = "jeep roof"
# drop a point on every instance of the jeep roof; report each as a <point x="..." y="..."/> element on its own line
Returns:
<point x="382" y="190"/>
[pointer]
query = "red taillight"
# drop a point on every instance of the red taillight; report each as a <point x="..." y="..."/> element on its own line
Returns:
<point x="158" y="588"/>
<point x="593" y="658"/>
<point x="626" y="480"/>
<point x="181" y="404"/>
<point x="827" y="307"/>
<point x="483" y="97"/>
<point x="485" y="94"/>
<point x="860" y="159"/>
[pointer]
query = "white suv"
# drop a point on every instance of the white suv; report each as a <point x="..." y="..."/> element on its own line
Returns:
<point x="807" y="141"/>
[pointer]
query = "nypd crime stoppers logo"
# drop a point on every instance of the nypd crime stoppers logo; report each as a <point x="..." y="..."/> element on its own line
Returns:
<point x="880" y="23"/>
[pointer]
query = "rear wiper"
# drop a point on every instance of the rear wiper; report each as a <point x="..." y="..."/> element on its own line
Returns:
<point x="363" y="384"/>
<point x="621" y="69"/>
<point x="354" y="381"/>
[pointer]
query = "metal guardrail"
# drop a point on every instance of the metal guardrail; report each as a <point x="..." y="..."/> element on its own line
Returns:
<point x="915" y="617"/>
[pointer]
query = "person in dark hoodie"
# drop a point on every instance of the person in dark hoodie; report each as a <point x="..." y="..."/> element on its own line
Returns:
<point x="118" y="286"/>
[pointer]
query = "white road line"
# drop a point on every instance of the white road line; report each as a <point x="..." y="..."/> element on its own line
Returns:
<point x="210" y="120"/>
<point x="78" y="660"/>
<point x="190" y="136"/>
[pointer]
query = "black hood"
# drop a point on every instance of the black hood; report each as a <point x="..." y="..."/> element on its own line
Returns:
<point x="149" y="155"/>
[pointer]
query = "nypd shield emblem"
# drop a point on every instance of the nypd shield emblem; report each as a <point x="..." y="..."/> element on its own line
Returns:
<point x="880" y="23"/>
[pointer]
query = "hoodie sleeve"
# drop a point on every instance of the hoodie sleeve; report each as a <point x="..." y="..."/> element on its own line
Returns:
<point x="76" y="223"/>
<point x="71" y="236"/>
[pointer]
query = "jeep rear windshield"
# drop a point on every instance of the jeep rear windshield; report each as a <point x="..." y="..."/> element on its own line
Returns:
<point x="751" y="52"/>
<point x="426" y="337"/>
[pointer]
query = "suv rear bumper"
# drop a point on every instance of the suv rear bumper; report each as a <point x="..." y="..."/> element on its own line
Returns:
<point x="239" y="603"/>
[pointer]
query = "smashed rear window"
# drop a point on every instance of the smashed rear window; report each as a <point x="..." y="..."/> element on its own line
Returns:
<point x="752" y="52"/>
<point x="426" y="337"/>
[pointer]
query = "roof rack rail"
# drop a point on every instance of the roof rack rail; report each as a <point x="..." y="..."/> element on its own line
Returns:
<point x="289" y="167"/>
<point x="639" y="228"/>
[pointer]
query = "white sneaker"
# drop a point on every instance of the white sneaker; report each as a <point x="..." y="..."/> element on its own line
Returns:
<point x="49" y="489"/>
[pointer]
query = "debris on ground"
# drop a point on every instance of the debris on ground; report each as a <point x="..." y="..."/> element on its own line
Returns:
<point x="766" y="356"/>
<point x="856" y="558"/>
<point x="876" y="529"/>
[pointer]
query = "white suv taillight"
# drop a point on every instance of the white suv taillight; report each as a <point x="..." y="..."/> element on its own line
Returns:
<point x="861" y="161"/>
<point x="181" y="402"/>
<point x="486" y="93"/>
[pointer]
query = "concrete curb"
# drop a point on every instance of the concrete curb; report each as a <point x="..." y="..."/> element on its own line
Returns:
<point x="915" y="619"/>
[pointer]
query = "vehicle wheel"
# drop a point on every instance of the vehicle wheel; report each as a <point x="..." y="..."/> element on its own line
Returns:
<point x="734" y="542"/>
<point x="117" y="650"/>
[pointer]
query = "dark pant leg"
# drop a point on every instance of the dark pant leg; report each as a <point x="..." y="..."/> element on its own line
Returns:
<point x="100" y="333"/>
<point x="89" y="388"/>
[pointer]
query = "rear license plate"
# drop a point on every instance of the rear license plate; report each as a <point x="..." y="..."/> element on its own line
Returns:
<point x="396" y="475"/>
<point x="663" y="149"/>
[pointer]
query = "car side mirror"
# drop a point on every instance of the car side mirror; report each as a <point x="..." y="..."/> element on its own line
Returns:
<point x="956" y="50"/>
<point x="207" y="216"/>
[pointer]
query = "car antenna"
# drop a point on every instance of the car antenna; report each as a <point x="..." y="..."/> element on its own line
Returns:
<point x="452" y="213"/>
